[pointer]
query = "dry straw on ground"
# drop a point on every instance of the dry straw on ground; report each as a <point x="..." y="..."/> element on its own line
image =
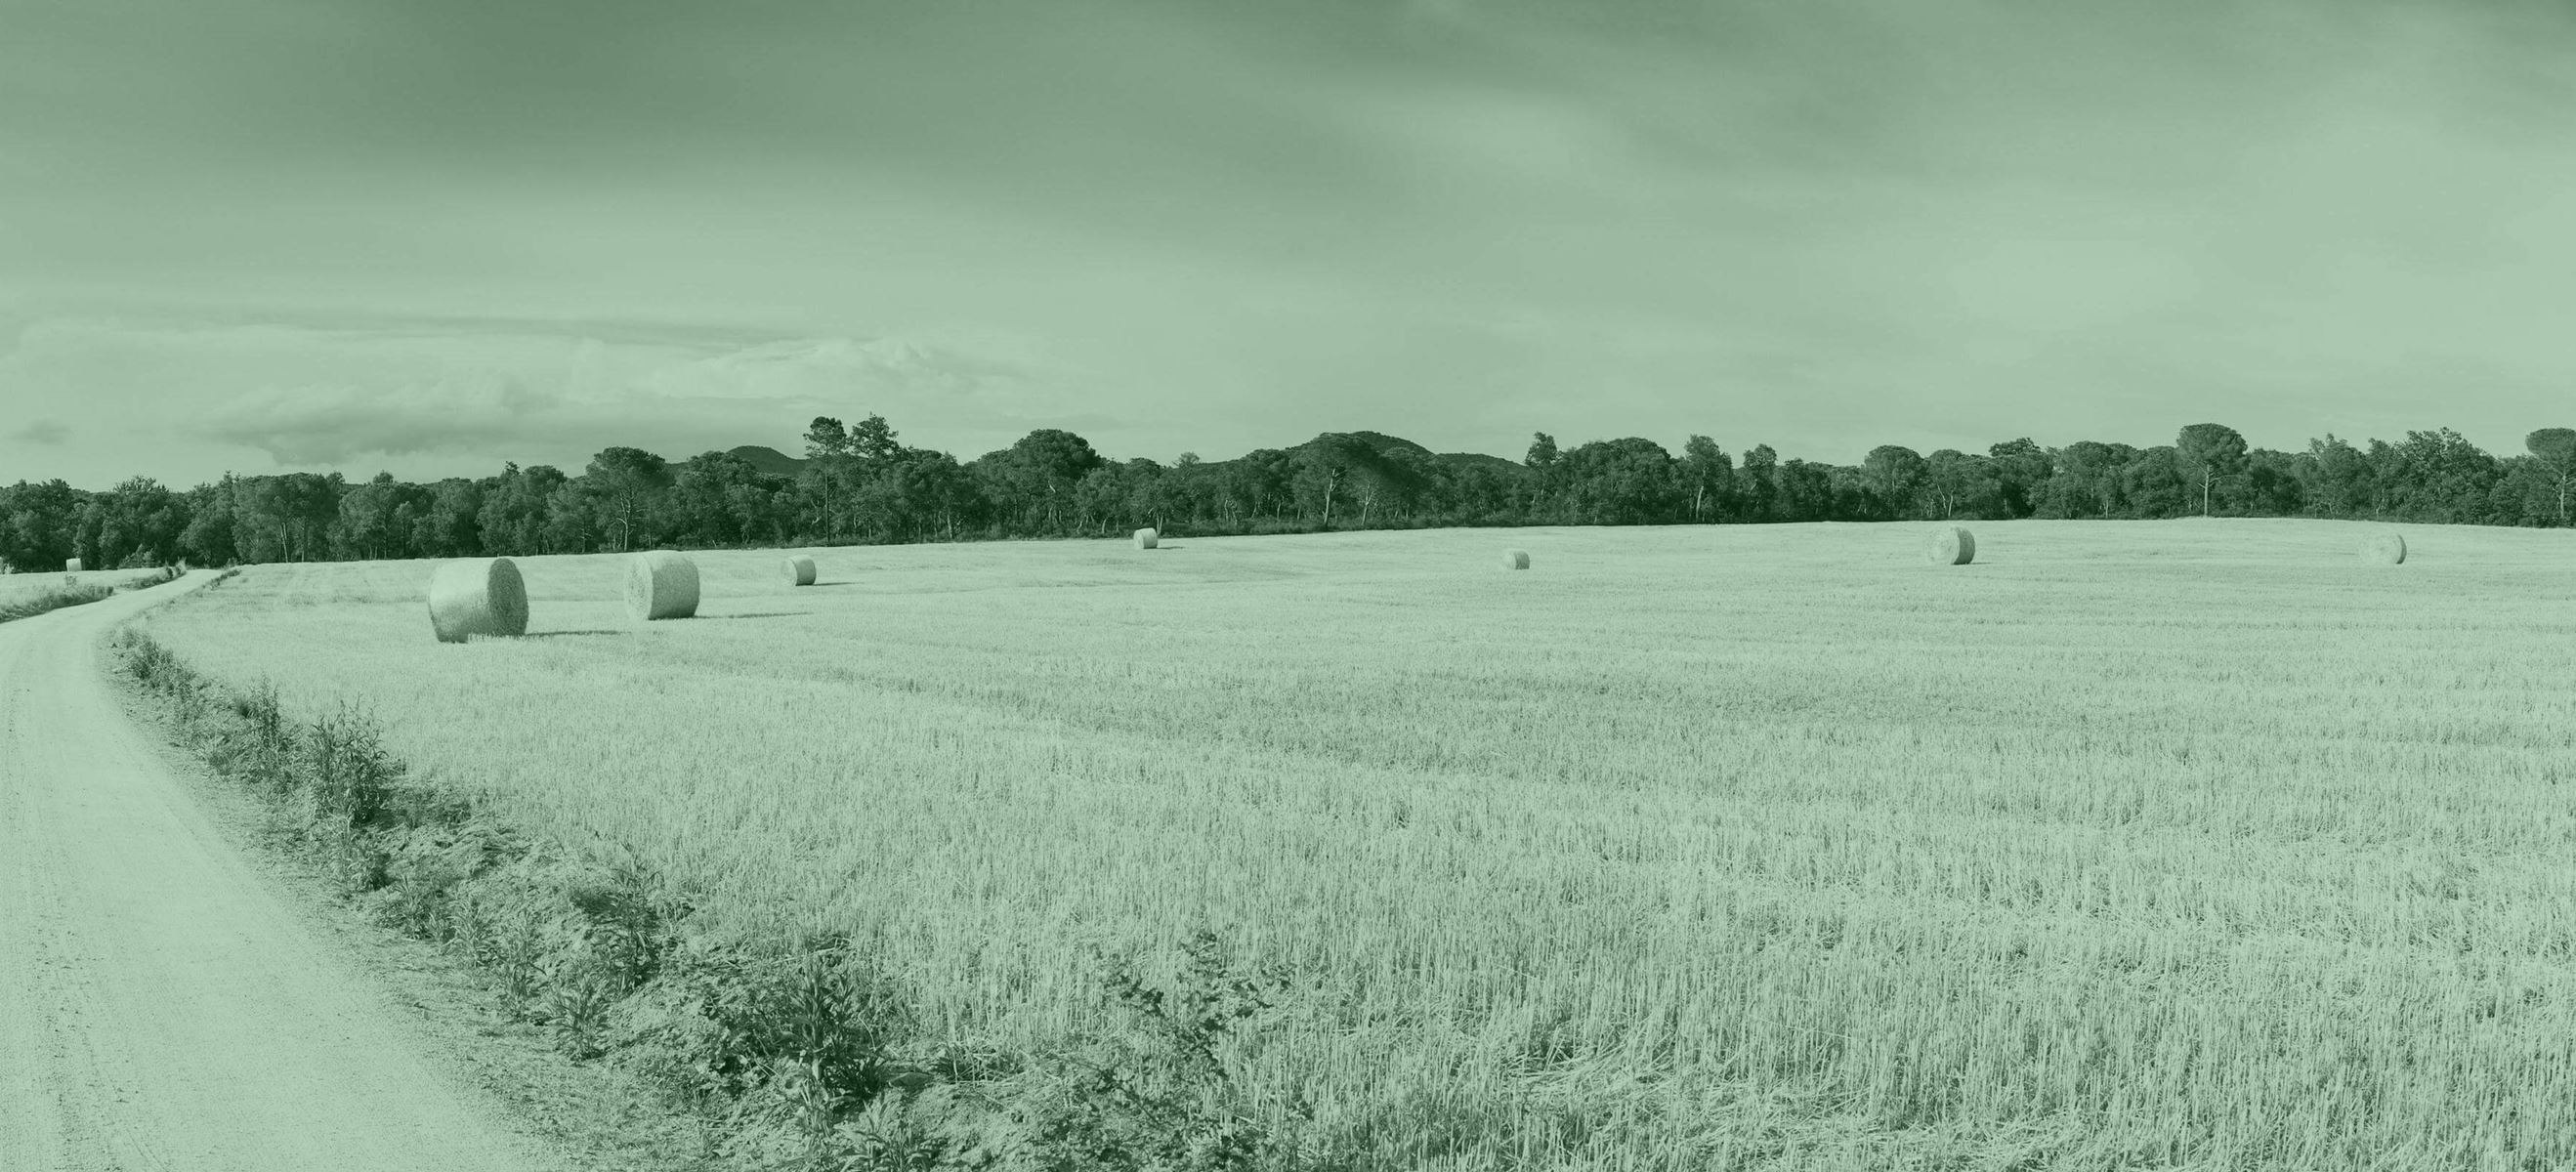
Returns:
<point x="1516" y="559"/>
<point x="2384" y="548"/>
<point x="661" y="584"/>
<point x="1145" y="538"/>
<point x="479" y="596"/>
<point x="1951" y="546"/>
<point x="71" y="565"/>
<point x="800" y="571"/>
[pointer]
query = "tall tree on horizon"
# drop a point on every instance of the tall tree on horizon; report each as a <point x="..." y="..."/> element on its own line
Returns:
<point x="2207" y="453"/>
<point x="2555" y="448"/>
<point x="1710" y="472"/>
<point x="630" y="482"/>
<point x="826" y="437"/>
<point x="1895" y="475"/>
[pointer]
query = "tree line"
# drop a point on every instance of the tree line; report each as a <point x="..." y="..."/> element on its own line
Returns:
<point x="860" y="484"/>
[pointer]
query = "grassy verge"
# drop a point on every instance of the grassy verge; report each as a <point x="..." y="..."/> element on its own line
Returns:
<point x="798" y="1053"/>
<point x="70" y="593"/>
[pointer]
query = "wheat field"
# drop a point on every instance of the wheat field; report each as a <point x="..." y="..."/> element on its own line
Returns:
<point x="2179" y="844"/>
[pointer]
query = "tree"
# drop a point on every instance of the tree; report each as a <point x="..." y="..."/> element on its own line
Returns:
<point x="37" y="523"/>
<point x="1319" y="475"/>
<point x="2022" y="469"/>
<point x="1761" y="488"/>
<point x="286" y="518"/>
<point x="144" y="522"/>
<point x="2087" y="480"/>
<point x="630" y="482"/>
<point x="1040" y="472"/>
<point x="1959" y="484"/>
<point x="1261" y="480"/>
<point x="2555" y="448"/>
<point x="571" y="516"/>
<point x="2275" y="484"/>
<point x="938" y="489"/>
<point x="1544" y="459"/>
<point x="1542" y="451"/>
<point x="513" y="518"/>
<point x="1895" y="475"/>
<point x="366" y="526"/>
<point x="208" y="538"/>
<point x="1709" y="472"/>
<point x="1622" y="481"/>
<point x="871" y="439"/>
<point x="2436" y="476"/>
<point x="2153" y="485"/>
<point x="1100" y="497"/>
<point x="2344" y="484"/>
<point x="826" y="437"/>
<point x="706" y="498"/>
<point x="1806" y="491"/>
<point x="450" y="526"/>
<point x="2206" y="454"/>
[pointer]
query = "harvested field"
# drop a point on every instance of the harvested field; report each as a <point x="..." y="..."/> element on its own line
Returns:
<point x="2156" y="843"/>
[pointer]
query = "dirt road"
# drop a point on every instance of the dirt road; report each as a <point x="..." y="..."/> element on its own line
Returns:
<point x="159" y="1008"/>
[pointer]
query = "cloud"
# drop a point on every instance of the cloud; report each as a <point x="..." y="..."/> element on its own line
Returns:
<point x="478" y="393"/>
<point x="332" y="425"/>
<point x="1822" y="226"/>
<point x="49" y="432"/>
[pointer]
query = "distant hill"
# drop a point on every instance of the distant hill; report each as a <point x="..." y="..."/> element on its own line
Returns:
<point x="1480" y="459"/>
<point x="1371" y="441"/>
<point x="769" y="461"/>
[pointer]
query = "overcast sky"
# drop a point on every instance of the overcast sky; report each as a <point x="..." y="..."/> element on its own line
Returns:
<point x="434" y="235"/>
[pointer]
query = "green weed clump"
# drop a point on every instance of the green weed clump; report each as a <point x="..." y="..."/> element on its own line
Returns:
<point x="806" y="1052"/>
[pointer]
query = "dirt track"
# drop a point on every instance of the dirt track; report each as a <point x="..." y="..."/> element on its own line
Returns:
<point x="159" y="1007"/>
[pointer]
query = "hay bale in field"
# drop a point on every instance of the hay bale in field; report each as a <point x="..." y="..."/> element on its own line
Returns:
<point x="1145" y="538"/>
<point x="800" y="571"/>
<point x="71" y="565"/>
<point x="2387" y="549"/>
<point x="661" y="584"/>
<point x="1951" y="546"/>
<point x="1516" y="559"/>
<point x="478" y="596"/>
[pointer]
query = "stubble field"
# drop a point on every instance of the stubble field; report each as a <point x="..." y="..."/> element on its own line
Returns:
<point x="2131" y="844"/>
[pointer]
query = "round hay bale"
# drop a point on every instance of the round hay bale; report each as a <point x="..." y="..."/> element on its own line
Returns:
<point x="1145" y="538"/>
<point x="661" y="584"/>
<point x="1516" y="559"/>
<point x="800" y="570"/>
<point x="478" y="596"/>
<point x="2387" y="549"/>
<point x="1951" y="546"/>
<point x="71" y="565"/>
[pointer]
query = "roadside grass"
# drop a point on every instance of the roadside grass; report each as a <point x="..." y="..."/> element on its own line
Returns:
<point x="27" y="602"/>
<point x="796" y="1053"/>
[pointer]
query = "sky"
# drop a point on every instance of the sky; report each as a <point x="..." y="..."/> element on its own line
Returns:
<point x="431" y="236"/>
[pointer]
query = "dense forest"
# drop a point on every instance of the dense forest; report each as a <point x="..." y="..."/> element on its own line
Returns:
<point x="858" y="484"/>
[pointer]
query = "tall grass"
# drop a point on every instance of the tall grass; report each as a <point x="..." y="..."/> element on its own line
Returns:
<point x="1720" y="848"/>
<point x="30" y="603"/>
<point x="42" y="593"/>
